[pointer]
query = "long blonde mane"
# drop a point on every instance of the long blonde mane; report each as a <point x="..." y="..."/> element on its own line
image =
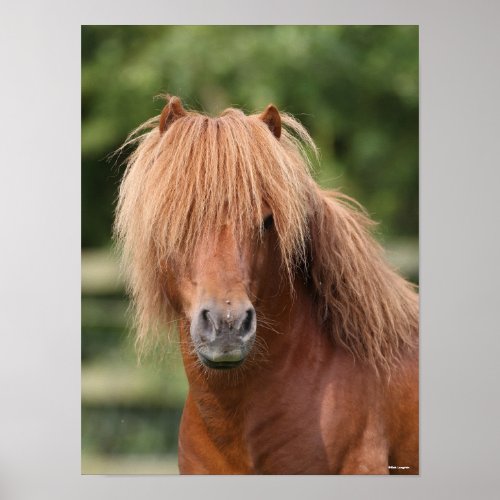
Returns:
<point x="183" y="183"/>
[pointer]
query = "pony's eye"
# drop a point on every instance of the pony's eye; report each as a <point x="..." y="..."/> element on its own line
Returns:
<point x="268" y="222"/>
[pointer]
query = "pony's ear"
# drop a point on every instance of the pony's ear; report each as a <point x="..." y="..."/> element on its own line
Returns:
<point x="171" y="112"/>
<point x="271" y="117"/>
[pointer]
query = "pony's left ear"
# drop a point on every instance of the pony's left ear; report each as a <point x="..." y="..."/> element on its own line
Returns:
<point x="271" y="117"/>
<point x="171" y="112"/>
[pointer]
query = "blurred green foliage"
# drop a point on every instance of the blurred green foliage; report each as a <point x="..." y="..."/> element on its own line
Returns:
<point x="129" y="409"/>
<point x="354" y="87"/>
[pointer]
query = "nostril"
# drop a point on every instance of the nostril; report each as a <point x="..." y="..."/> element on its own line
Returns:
<point x="207" y="319"/>
<point x="247" y="322"/>
<point x="204" y="327"/>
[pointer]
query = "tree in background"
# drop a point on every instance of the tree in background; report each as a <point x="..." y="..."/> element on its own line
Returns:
<point x="355" y="88"/>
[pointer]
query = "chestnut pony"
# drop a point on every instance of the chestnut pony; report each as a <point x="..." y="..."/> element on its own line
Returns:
<point x="298" y="340"/>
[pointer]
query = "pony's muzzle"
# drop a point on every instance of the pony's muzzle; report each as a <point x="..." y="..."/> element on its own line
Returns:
<point x="223" y="336"/>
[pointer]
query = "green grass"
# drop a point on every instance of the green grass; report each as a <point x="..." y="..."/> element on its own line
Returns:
<point x="131" y="464"/>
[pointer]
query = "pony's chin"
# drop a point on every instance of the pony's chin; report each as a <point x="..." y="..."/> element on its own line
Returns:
<point x="222" y="364"/>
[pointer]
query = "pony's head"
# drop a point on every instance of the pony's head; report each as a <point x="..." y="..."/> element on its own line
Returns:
<point x="207" y="208"/>
<point x="216" y="213"/>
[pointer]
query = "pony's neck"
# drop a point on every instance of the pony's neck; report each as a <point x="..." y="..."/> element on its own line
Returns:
<point x="292" y="328"/>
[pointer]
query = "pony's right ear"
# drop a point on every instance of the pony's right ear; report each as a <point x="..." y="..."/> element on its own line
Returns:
<point x="171" y="112"/>
<point x="271" y="117"/>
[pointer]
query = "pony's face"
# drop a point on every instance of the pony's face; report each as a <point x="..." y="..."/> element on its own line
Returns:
<point x="210" y="212"/>
<point x="220" y="291"/>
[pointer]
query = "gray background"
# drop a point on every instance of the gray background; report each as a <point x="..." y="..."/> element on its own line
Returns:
<point x="40" y="194"/>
